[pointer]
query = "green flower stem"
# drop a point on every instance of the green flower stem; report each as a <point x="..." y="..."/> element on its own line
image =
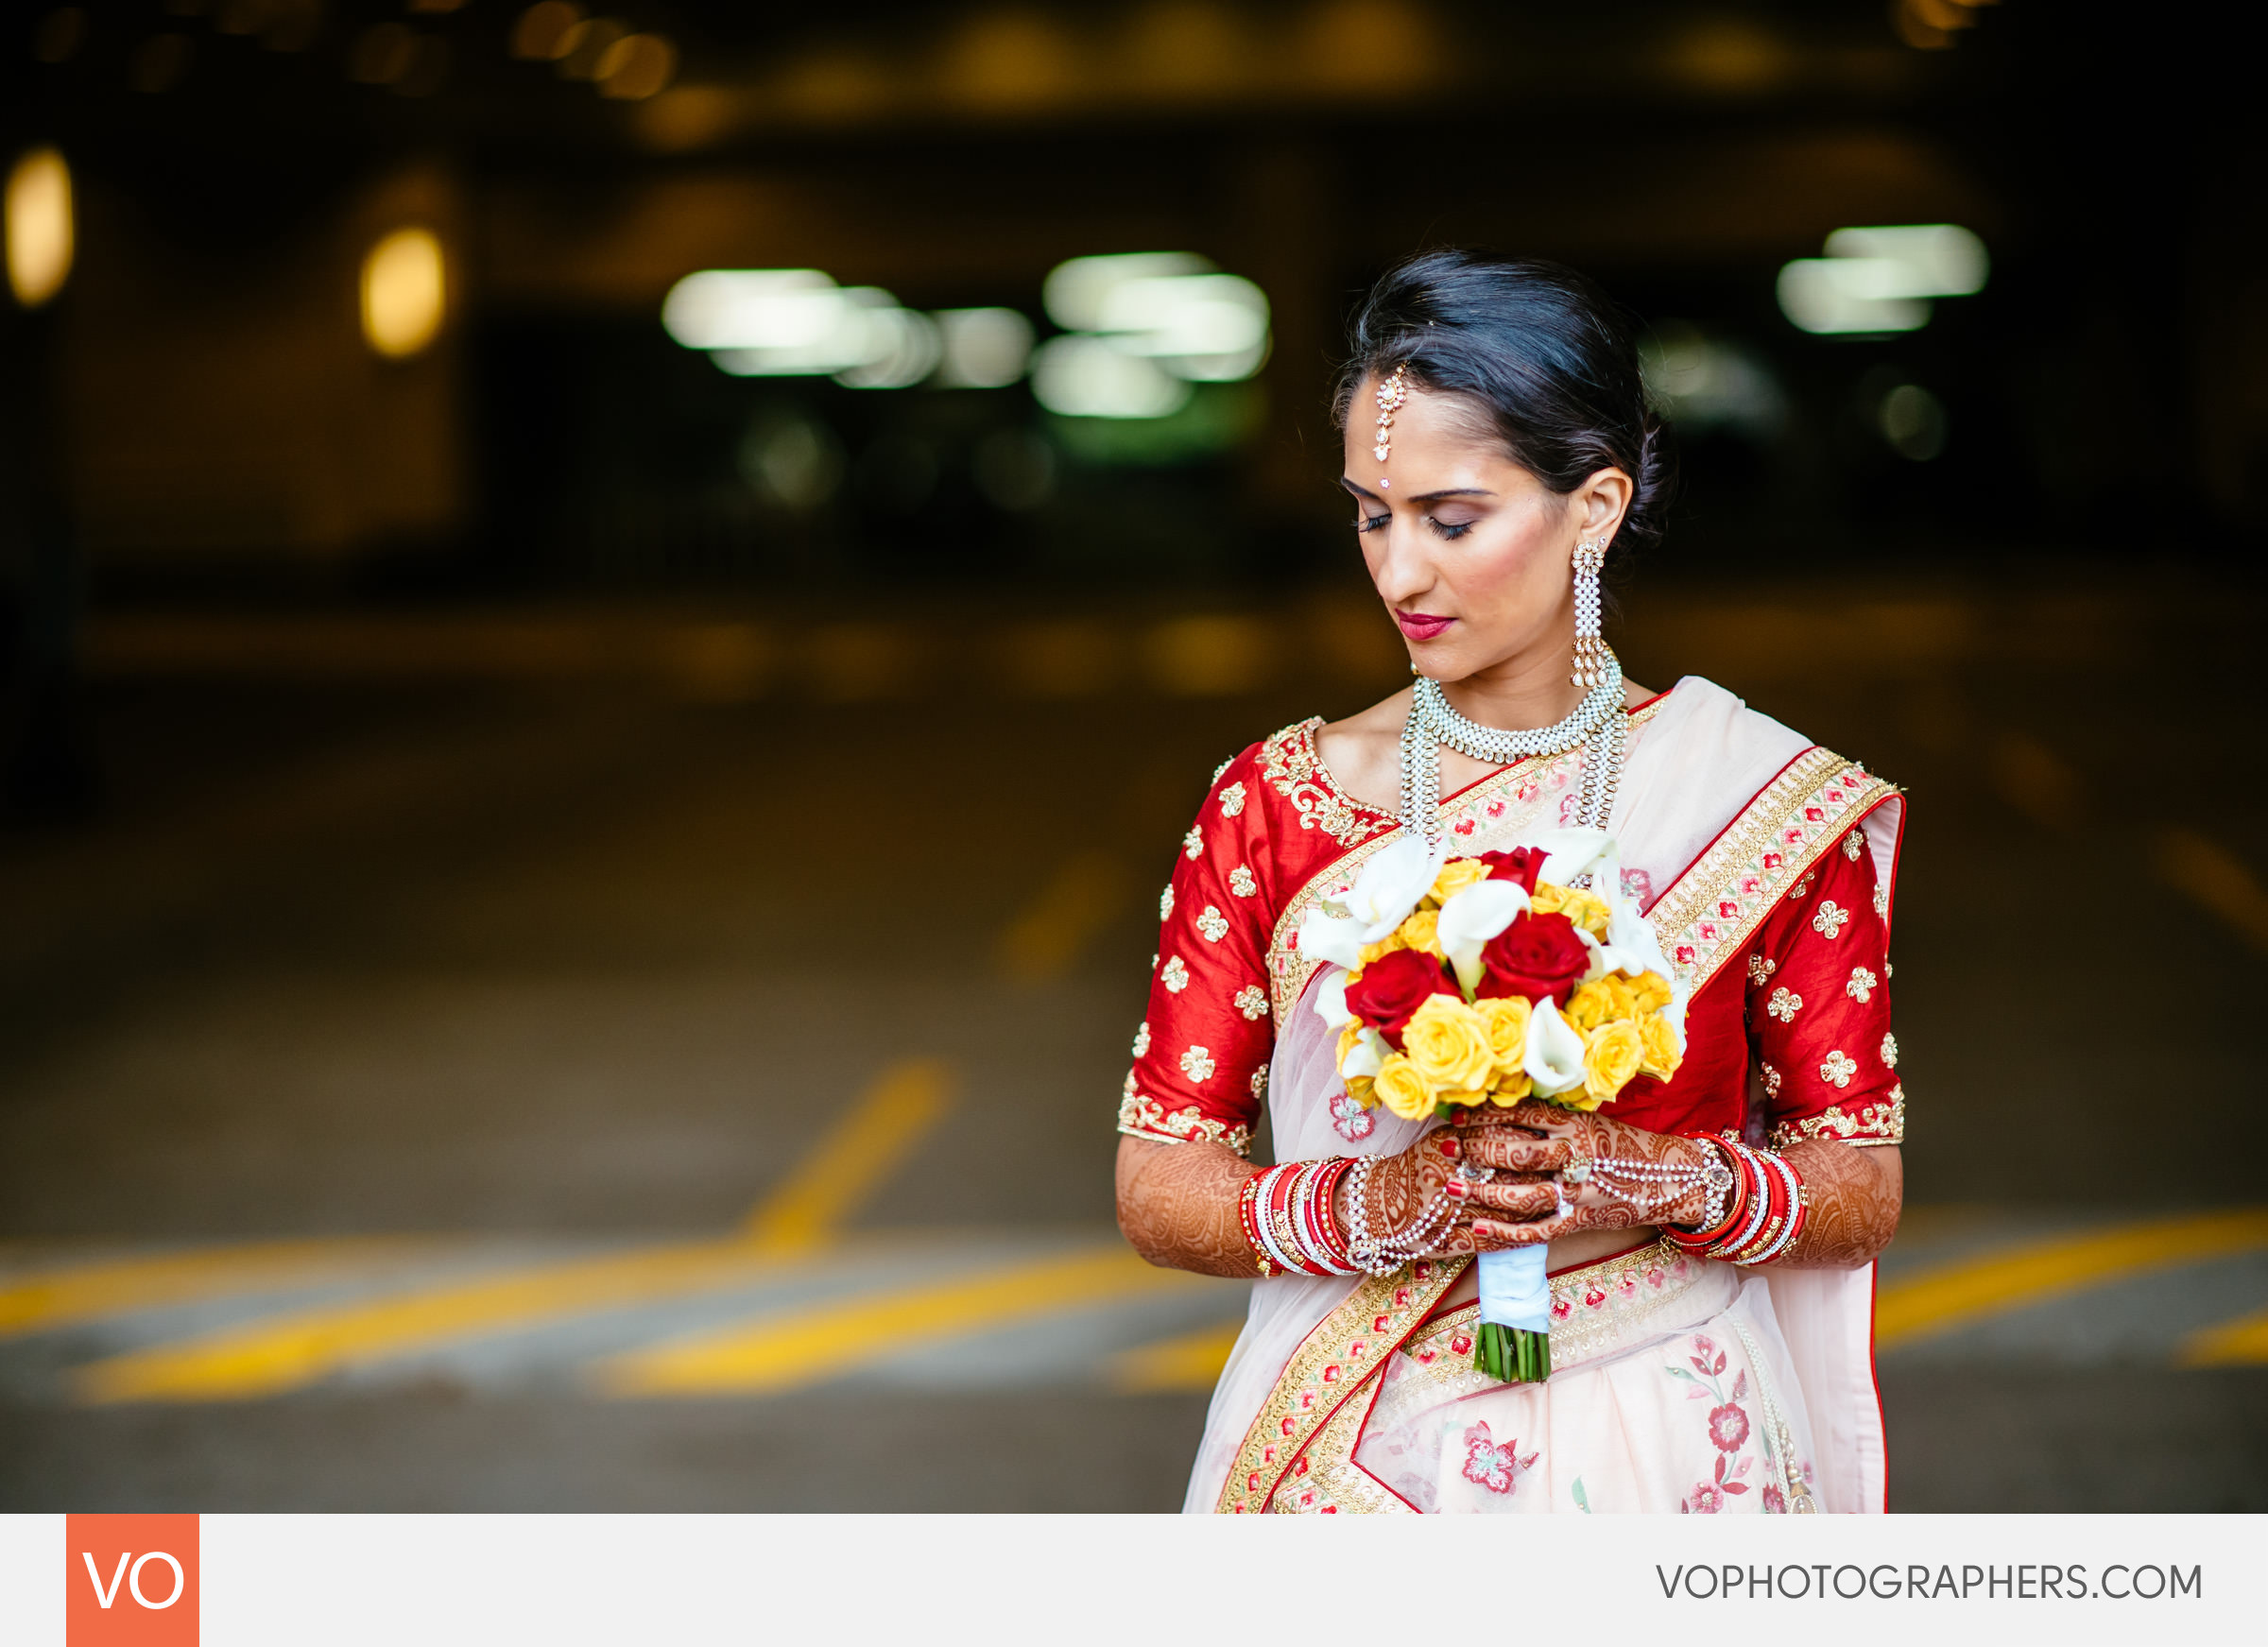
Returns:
<point x="1512" y="1355"/>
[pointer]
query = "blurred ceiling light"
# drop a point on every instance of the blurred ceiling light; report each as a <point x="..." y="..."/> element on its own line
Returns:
<point x="1010" y="60"/>
<point x="984" y="349"/>
<point x="636" y="67"/>
<point x="1171" y="307"/>
<point x="587" y="46"/>
<point x="545" y="32"/>
<point x="405" y="293"/>
<point x="1931" y="25"/>
<point x="1881" y="280"/>
<point x="1208" y="328"/>
<point x="796" y="322"/>
<point x="437" y="6"/>
<point x="1076" y="292"/>
<point x="1081" y="376"/>
<point x="38" y="226"/>
<point x="1939" y="260"/>
<point x="59" y="35"/>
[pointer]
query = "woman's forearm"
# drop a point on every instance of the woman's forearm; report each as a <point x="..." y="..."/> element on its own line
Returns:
<point x="1177" y="1205"/>
<point x="1854" y="1195"/>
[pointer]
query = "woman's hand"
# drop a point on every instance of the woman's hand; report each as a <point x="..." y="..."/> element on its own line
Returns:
<point x="1539" y="1138"/>
<point x="1421" y="1193"/>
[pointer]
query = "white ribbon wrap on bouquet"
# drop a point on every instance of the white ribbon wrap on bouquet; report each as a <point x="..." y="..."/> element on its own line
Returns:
<point x="1513" y="1291"/>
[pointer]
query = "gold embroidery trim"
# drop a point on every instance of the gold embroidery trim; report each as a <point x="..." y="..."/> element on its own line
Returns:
<point x="1288" y="761"/>
<point x="1142" y="1116"/>
<point x="1873" y="1123"/>
<point x="1716" y="906"/>
<point x="1331" y="1367"/>
<point x="1288" y="970"/>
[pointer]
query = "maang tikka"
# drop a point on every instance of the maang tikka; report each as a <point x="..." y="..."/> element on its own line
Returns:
<point x="1591" y="553"/>
<point x="1391" y="394"/>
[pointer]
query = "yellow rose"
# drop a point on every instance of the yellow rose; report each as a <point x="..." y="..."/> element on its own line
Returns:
<point x="1587" y="910"/>
<point x="1649" y="992"/>
<point x="1599" y="1002"/>
<point x="1506" y="1019"/>
<point x="1662" y="1057"/>
<point x="1360" y="1089"/>
<point x="1402" y="1089"/>
<point x="1457" y="874"/>
<point x="1611" y="1056"/>
<point x="1449" y="1042"/>
<point x="1510" y="1089"/>
<point x="1421" y="930"/>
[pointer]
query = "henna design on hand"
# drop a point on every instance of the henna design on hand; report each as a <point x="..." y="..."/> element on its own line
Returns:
<point x="1402" y="1188"/>
<point x="1547" y="1138"/>
<point x="1177" y="1205"/>
<point x="1855" y="1196"/>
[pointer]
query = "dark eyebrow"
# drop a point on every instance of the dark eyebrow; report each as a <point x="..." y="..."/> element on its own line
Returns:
<point x="1358" y="491"/>
<point x="1457" y="492"/>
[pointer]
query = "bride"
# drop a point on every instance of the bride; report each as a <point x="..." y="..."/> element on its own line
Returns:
<point x="1710" y="1236"/>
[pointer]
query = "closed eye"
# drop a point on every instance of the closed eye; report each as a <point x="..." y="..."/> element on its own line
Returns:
<point x="1447" y="529"/>
<point x="1372" y="522"/>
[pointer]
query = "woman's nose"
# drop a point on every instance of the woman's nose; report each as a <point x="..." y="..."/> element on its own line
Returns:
<point x="1401" y="573"/>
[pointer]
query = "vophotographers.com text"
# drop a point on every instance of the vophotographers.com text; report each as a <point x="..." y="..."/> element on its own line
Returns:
<point x="1886" y="1581"/>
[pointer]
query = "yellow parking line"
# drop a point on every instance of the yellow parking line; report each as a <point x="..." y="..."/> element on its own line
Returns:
<point x="1191" y="1361"/>
<point x="68" y="1293"/>
<point x="2217" y="879"/>
<point x="278" y="1353"/>
<point x="269" y="1356"/>
<point x="1996" y="1283"/>
<point x="2239" y="1343"/>
<point x="1074" y="908"/>
<point x="803" y="1347"/>
<point x="858" y="1152"/>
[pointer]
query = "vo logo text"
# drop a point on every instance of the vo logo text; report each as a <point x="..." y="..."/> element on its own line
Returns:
<point x="131" y="1580"/>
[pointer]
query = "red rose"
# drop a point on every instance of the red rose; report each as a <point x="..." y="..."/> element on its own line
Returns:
<point x="1521" y="864"/>
<point x="1395" y="986"/>
<point x="1537" y="955"/>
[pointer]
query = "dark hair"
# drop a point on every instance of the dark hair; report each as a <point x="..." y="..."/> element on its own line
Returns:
<point x="1548" y="357"/>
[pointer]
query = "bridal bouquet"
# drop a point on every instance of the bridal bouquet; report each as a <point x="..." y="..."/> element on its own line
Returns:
<point x="1488" y="980"/>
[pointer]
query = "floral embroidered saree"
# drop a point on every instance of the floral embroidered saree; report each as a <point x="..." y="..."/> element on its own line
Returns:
<point x="1766" y="864"/>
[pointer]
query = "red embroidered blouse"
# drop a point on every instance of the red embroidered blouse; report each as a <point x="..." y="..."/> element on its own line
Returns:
<point x="1807" y="1008"/>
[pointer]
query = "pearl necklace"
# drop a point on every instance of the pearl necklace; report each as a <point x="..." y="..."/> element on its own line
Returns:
<point x="1598" y="723"/>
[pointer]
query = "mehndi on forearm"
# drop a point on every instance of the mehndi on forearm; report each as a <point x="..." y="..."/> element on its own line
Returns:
<point x="1853" y="1195"/>
<point x="1177" y="1205"/>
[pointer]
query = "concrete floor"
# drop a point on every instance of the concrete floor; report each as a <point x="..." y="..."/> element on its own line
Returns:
<point x="526" y="965"/>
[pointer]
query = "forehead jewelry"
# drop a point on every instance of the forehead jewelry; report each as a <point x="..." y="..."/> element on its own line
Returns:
<point x="1391" y="394"/>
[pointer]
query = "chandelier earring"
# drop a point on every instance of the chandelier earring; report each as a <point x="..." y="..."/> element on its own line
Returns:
<point x="1590" y="655"/>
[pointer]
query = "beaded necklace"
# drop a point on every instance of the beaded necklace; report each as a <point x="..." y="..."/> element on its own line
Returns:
<point x="1598" y="723"/>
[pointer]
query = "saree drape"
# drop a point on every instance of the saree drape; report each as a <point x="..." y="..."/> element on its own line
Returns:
<point x="1687" y="1385"/>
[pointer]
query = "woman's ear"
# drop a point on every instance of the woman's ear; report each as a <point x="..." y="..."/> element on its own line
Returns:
<point x="1600" y="503"/>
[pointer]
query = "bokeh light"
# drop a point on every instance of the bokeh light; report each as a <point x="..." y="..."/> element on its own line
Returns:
<point x="1079" y="375"/>
<point x="405" y="293"/>
<point x="40" y="232"/>
<point x="984" y="349"/>
<point x="1882" y="279"/>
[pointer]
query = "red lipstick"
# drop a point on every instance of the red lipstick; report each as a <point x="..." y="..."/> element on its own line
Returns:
<point x="1421" y="625"/>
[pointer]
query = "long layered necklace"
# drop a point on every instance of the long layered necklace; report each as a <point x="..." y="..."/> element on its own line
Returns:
<point x="1598" y="724"/>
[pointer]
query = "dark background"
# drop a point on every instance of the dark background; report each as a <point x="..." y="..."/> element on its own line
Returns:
<point x="429" y="784"/>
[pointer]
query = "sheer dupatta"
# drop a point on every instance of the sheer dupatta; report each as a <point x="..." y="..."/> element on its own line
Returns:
<point x="1720" y="806"/>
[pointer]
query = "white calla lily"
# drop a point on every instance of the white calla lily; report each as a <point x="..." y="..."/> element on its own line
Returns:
<point x="1473" y="917"/>
<point x="1331" y="1002"/>
<point x="1330" y="937"/>
<point x="1572" y="852"/>
<point x="1555" y="1061"/>
<point x="1365" y="1057"/>
<point x="1390" y="886"/>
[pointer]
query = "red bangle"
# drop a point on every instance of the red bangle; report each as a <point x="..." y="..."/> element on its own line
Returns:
<point x="1696" y="1240"/>
<point x="1248" y="1201"/>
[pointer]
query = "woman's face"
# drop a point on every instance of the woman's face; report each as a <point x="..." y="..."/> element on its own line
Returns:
<point x="1471" y="553"/>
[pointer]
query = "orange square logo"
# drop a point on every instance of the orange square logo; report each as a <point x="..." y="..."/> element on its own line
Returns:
<point x="131" y="1581"/>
